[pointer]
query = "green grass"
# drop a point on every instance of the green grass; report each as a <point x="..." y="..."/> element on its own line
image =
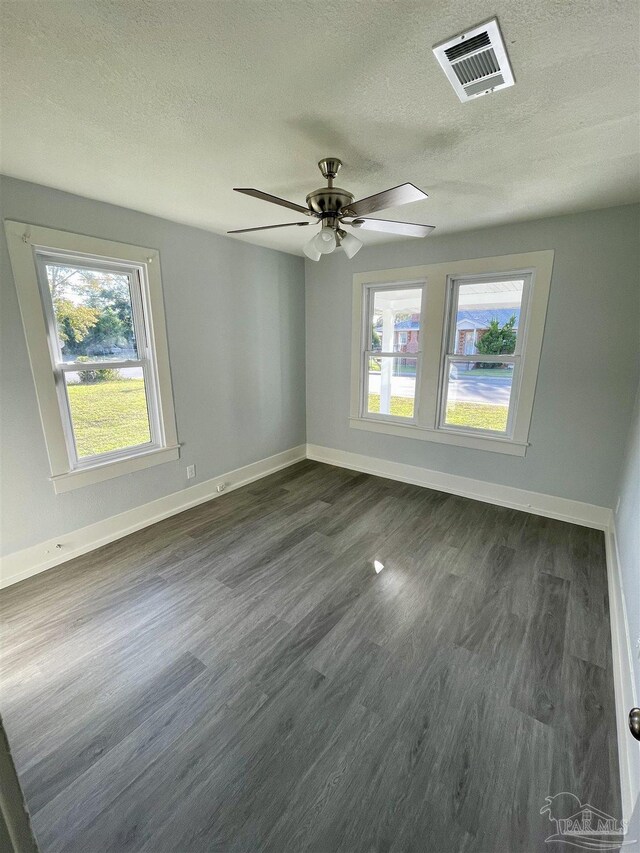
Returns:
<point x="109" y="415"/>
<point x="473" y="415"/>
<point x="487" y="371"/>
<point x="478" y="416"/>
<point x="400" y="406"/>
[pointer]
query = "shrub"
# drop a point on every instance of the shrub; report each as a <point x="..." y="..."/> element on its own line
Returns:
<point x="105" y="374"/>
<point x="497" y="340"/>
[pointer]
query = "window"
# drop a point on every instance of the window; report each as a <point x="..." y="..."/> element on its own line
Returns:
<point x="480" y="377"/>
<point x="93" y="318"/>
<point x="450" y="352"/>
<point x="390" y="382"/>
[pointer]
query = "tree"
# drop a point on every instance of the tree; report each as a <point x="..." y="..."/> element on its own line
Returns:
<point x="115" y="326"/>
<point x="498" y="340"/>
<point x="107" y="330"/>
<point x="114" y="294"/>
<point x="74" y="321"/>
<point x="93" y="308"/>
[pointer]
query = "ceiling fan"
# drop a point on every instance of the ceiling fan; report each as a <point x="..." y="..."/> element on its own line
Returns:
<point x="334" y="207"/>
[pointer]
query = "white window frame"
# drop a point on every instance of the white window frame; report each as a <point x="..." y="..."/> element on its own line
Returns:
<point x="437" y="334"/>
<point x="30" y="248"/>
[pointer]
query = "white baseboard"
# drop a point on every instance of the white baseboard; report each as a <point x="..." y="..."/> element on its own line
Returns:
<point x="38" y="558"/>
<point x="623" y="680"/>
<point x="564" y="509"/>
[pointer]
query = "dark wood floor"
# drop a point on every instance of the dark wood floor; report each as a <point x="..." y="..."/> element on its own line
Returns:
<point x="239" y="677"/>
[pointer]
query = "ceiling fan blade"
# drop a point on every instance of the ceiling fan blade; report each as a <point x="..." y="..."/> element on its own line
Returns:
<point x="407" y="229"/>
<point x="274" y="200"/>
<point x="394" y="197"/>
<point x="266" y="227"/>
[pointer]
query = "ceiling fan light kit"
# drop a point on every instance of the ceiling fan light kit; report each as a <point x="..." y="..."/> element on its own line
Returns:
<point x="351" y="245"/>
<point x="325" y="240"/>
<point x="311" y="252"/>
<point x="334" y="208"/>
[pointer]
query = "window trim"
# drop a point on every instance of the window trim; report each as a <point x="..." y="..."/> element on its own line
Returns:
<point x="26" y="244"/>
<point x="435" y="335"/>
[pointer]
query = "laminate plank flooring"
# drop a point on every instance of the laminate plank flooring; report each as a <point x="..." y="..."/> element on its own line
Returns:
<point x="240" y="678"/>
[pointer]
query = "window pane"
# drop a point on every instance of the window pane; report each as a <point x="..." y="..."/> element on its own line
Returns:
<point x="93" y="313"/>
<point x="477" y="396"/>
<point x="391" y="386"/>
<point x="395" y="324"/>
<point x="108" y="409"/>
<point x="487" y="318"/>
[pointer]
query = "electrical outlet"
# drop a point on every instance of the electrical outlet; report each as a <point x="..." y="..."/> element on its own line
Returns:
<point x="191" y="472"/>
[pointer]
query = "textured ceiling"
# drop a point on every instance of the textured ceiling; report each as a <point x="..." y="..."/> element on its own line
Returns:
<point x="164" y="106"/>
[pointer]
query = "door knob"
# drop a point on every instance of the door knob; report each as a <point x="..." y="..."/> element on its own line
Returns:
<point x="634" y="722"/>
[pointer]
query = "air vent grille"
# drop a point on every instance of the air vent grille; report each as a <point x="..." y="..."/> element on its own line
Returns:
<point x="476" y="62"/>
<point x="468" y="46"/>
<point x="482" y="64"/>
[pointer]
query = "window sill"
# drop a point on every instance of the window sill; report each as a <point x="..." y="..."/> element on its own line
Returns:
<point x="476" y="442"/>
<point x="107" y="470"/>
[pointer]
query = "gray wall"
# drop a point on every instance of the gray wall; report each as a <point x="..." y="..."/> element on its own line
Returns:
<point x="627" y="522"/>
<point x="236" y="322"/>
<point x="588" y="370"/>
<point x="235" y="319"/>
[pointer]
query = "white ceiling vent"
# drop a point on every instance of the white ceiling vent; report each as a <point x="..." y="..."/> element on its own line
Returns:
<point x="476" y="62"/>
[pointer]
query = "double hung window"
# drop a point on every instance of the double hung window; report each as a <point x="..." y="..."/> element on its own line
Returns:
<point x="450" y="352"/>
<point x="94" y="322"/>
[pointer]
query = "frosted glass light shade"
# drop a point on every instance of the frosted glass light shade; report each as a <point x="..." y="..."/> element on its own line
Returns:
<point x="310" y="250"/>
<point x="351" y="245"/>
<point x="325" y="241"/>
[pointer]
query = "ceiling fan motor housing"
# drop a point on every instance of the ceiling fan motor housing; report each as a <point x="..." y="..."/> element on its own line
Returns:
<point x="327" y="201"/>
